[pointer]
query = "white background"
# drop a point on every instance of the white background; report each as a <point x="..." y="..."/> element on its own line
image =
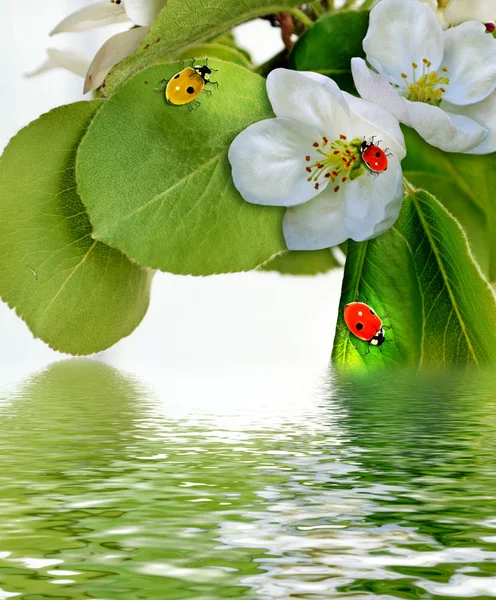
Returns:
<point x="214" y="325"/>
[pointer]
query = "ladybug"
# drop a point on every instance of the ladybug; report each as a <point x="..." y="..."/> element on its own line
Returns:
<point x="375" y="158"/>
<point x="364" y="323"/>
<point x="186" y="85"/>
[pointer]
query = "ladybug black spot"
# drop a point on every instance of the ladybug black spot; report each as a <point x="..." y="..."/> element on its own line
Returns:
<point x="359" y="326"/>
<point x="190" y="90"/>
<point x="176" y="76"/>
<point x="372" y="312"/>
<point x="378" y="154"/>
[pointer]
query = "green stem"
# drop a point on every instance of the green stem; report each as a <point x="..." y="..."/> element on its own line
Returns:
<point x="301" y="16"/>
<point x="317" y="8"/>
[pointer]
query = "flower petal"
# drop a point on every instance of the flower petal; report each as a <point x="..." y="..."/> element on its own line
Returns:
<point x="268" y="163"/>
<point x="447" y="131"/>
<point x="484" y="114"/>
<point x="300" y="98"/>
<point x="376" y="88"/>
<point x="113" y="51"/>
<point x="143" y="12"/>
<point x="402" y="32"/>
<point x="95" y="15"/>
<point x="369" y="119"/>
<point x="470" y="57"/>
<point x="62" y="59"/>
<point x="317" y="224"/>
<point x="373" y="202"/>
<point x="459" y="11"/>
<point x="330" y="85"/>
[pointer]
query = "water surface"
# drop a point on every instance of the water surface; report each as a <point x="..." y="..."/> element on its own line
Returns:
<point x="366" y="488"/>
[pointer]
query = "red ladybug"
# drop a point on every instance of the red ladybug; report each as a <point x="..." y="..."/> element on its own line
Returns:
<point x="375" y="158"/>
<point x="362" y="321"/>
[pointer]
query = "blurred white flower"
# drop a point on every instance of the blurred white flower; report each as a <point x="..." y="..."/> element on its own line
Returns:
<point x="454" y="12"/>
<point x="140" y="13"/>
<point x="439" y="83"/>
<point x="308" y="159"/>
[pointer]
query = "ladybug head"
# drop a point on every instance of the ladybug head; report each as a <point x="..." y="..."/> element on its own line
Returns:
<point x="204" y="72"/>
<point x="365" y="145"/>
<point x="379" y="338"/>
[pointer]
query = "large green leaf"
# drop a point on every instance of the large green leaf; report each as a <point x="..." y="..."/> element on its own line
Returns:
<point x="76" y="294"/>
<point x="421" y="272"/>
<point x="465" y="184"/>
<point x="329" y="46"/>
<point x="303" y="263"/>
<point x="183" y="24"/>
<point x="157" y="183"/>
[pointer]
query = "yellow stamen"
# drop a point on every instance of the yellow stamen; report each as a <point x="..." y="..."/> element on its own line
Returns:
<point x="334" y="161"/>
<point x="429" y="87"/>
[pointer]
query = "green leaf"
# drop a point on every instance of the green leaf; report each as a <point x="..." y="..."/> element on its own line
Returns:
<point x="422" y="273"/>
<point x="76" y="294"/>
<point x="303" y="263"/>
<point x="157" y="183"/>
<point x="465" y="184"/>
<point x="214" y="50"/>
<point x="329" y="46"/>
<point x="182" y="24"/>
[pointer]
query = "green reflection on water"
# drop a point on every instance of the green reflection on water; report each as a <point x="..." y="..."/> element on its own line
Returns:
<point x="386" y="488"/>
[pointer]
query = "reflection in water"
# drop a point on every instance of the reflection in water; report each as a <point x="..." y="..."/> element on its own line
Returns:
<point x="376" y="489"/>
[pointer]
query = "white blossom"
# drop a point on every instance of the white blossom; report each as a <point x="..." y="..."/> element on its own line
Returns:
<point x="454" y="12"/>
<point x="139" y="13"/>
<point x="308" y="159"/>
<point x="438" y="82"/>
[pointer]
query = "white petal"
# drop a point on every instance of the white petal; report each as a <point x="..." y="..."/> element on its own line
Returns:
<point x="459" y="11"/>
<point x="470" y="57"/>
<point x="483" y="113"/>
<point x="62" y="59"/>
<point x="449" y="132"/>
<point x="330" y="85"/>
<point x="143" y="12"/>
<point x="268" y="163"/>
<point x="298" y="97"/>
<point x="369" y="119"/>
<point x="431" y="3"/>
<point x="376" y="88"/>
<point x="318" y="223"/>
<point x="113" y="51"/>
<point x="373" y="202"/>
<point x="402" y="32"/>
<point x="95" y="15"/>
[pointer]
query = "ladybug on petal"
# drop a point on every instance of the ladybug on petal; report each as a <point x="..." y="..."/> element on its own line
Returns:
<point x="374" y="157"/>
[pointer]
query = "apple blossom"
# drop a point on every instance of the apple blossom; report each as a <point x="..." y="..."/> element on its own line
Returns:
<point x="454" y="12"/>
<point x="308" y="159"/>
<point x="437" y="82"/>
<point x="141" y="13"/>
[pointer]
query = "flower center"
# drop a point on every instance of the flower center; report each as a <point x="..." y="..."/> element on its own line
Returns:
<point x="337" y="161"/>
<point x="427" y="87"/>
